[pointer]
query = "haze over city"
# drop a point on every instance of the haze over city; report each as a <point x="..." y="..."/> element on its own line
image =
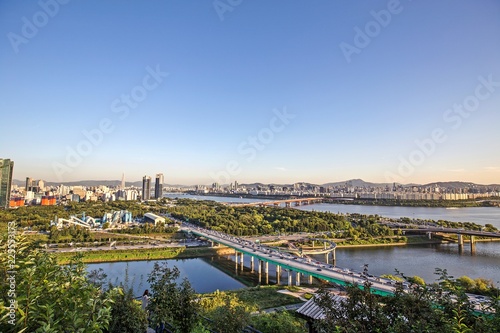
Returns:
<point x="203" y="92"/>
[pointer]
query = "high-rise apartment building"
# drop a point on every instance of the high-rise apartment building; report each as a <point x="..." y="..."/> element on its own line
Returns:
<point x="29" y="184"/>
<point x="146" y="188"/>
<point x="159" y="186"/>
<point x="6" y="169"/>
<point x="33" y="185"/>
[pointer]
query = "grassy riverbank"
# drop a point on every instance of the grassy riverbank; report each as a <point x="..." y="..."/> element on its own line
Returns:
<point x="194" y="252"/>
<point x="484" y="202"/>
<point x="139" y="254"/>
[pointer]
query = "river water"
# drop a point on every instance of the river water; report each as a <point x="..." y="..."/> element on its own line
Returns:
<point x="479" y="215"/>
<point x="421" y="260"/>
<point x="203" y="276"/>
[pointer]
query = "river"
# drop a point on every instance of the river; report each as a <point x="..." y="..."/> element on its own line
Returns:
<point x="203" y="276"/>
<point x="412" y="260"/>
<point x="479" y="215"/>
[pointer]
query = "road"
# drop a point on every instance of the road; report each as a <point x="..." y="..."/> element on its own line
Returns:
<point x="152" y="245"/>
<point x="288" y="261"/>
<point x="426" y="228"/>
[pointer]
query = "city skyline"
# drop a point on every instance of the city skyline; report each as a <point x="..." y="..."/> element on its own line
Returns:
<point x="121" y="183"/>
<point x="386" y="91"/>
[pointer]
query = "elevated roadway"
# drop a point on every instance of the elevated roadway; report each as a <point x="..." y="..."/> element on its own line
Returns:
<point x="460" y="232"/>
<point x="291" y="263"/>
<point x="287" y="202"/>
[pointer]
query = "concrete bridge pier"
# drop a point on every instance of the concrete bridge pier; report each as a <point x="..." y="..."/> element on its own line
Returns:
<point x="460" y="243"/>
<point x="310" y="279"/>
<point x="472" y="244"/>
<point x="289" y="277"/>
<point x="242" y="262"/>
<point x="251" y="264"/>
<point x="259" y="270"/>
<point x="236" y="261"/>
<point x="429" y="235"/>
<point x="297" y="279"/>
<point x="334" y="257"/>
<point x="266" y="270"/>
<point x="327" y="256"/>
<point x="278" y="274"/>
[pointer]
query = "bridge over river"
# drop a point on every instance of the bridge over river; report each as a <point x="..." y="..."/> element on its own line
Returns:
<point x="291" y="264"/>
<point x="286" y="202"/>
<point x="461" y="233"/>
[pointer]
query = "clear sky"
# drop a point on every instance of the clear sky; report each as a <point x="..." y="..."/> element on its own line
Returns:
<point x="268" y="91"/>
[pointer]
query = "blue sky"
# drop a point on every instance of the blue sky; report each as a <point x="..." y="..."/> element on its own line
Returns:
<point x="280" y="91"/>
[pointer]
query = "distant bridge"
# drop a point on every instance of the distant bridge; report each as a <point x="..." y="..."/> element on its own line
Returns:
<point x="458" y="231"/>
<point x="287" y="202"/>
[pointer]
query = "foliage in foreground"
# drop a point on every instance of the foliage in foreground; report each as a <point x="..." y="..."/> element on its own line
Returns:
<point x="171" y="303"/>
<point x="278" y="322"/>
<point x="127" y="315"/>
<point x="49" y="297"/>
<point x="225" y="311"/>
<point x="441" y="307"/>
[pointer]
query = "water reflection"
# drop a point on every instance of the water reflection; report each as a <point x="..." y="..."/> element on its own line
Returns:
<point x="422" y="260"/>
<point x="203" y="276"/>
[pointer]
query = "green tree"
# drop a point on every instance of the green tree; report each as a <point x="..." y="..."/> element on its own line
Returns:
<point x="127" y="315"/>
<point x="171" y="303"/>
<point x="50" y="297"/>
<point x="466" y="282"/>
<point x="417" y="280"/>
<point x="227" y="312"/>
<point x="440" y="307"/>
<point x="230" y="318"/>
<point x="277" y="322"/>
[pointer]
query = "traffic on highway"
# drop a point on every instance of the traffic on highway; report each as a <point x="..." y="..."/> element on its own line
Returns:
<point x="295" y="263"/>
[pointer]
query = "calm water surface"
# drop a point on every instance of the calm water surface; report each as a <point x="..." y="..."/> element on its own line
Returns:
<point x="204" y="278"/>
<point x="412" y="260"/>
<point x="479" y="215"/>
<point x="422" y="260"/>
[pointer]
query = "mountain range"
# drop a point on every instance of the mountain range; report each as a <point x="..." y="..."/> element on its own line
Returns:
<point x="351" y="183"/>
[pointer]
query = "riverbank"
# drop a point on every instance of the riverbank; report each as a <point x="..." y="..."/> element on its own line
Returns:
<point x="102" y="256"/>
<point x="480" y="202"/>
<point x="182" y="252"/>
<point x="485" y="202"/>
<point x="421" y="242"/>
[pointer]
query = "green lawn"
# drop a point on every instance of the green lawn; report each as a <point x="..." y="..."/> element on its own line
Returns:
<point x="136" y="254"/>
<point x="265" y="297"/>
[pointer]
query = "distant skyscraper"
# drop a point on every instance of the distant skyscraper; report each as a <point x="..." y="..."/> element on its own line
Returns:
<point x="29" y="184"/>
<point x="146" y="188"/>
<point x="6" y="169"/>
<point x="159" y="186"/>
